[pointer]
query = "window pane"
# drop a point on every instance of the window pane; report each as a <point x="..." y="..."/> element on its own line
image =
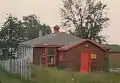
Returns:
<point x="51" y="59"/>
<point x="50" y="51"/>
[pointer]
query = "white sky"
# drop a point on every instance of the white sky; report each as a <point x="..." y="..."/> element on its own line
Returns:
<point x="48" y="11"/>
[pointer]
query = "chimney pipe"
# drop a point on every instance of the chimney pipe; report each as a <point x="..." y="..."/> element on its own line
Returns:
<point x="40" y="33"/>
<point x="56" y="28"/>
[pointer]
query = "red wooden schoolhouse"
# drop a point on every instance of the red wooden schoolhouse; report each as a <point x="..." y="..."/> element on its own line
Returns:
<point x="68" y="51"/>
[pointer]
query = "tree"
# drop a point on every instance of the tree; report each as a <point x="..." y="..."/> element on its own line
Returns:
<point x="11" y="34"/>
<point x="15" y="31"/>
<point x="33" y="26"/>
<point x="85" y="19"/>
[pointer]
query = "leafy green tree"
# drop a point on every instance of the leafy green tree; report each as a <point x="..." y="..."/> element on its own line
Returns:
<point x="11" y="34"/>
<point x="15" y="31"/>
<point x="33" y="26"/>
<point x="85" y="18"/>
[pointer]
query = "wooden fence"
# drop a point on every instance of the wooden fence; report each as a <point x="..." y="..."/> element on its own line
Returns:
<point x="17" y="66"/>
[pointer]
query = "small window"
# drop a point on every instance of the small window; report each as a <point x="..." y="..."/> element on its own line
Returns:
<point x="51" y="54"/>
<point x="51" y="51"/>
<point x="51" y="60"/>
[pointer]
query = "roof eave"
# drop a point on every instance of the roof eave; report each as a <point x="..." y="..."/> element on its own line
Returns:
<point x="65" y="49"/>
<point x="46" y="45"/>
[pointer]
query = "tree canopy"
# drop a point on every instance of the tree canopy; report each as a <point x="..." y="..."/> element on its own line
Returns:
<point x="15" y="31"/>
<point x="85" y="18"/>
<point x="32" y="26"/>
<point x="11" y="34"/>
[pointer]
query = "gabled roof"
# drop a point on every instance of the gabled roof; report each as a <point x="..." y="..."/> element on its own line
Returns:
<point x="59" y="38"/>
<point x="71" y="45"/>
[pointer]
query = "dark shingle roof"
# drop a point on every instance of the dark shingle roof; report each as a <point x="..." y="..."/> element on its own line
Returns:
<point x="60" y="38"/>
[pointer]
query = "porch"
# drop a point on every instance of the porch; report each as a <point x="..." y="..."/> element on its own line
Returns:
<point x="45" y="56"/>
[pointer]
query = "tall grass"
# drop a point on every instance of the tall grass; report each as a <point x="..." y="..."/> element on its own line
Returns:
<point x="7" y="78"/>
<point x="53" y="75"/>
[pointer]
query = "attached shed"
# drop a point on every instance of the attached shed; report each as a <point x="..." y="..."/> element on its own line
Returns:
<point x="84" y="55"/>
<point x="25" y="51"/>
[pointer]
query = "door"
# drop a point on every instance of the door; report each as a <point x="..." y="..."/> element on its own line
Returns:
<point x="85" y="61"/>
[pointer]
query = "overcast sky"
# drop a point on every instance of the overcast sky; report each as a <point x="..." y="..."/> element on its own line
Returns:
<point x="48" y="11"/>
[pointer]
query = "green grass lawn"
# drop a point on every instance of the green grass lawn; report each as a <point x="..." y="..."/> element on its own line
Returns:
<point x="6" y="78"/>
<point x="53" y="75"/>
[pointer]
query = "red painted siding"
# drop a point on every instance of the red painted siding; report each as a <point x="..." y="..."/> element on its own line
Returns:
<point x="72" y="57"/>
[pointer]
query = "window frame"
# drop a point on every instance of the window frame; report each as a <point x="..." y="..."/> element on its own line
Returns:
<point x="52" y="55"/>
